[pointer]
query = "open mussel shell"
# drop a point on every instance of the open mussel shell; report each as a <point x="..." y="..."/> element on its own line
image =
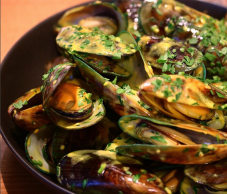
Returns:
<point x="136" y="64"/>
<point x="156" y="130"/>
<point x="73" y="39"/>
<point x="191" y="94"/>
<point x="66" y="99"/>
<point x="122" y="104"/>
<point x="208" y="174"/>
<point x="188" y="186"/>
<point x="97" y="115"/>
<point x="100" y="51"/>
<point x="107" y="17"/>
<point x="53" y="78"/>
<point x="94" y="137"/>
<point x="170" y="52"/>
<point x="156" y="18"/>
<point x="180" y="154"/>
<point x="183" y="132"/>
<point x="34" y="143"/>
<point x="27" y="111"/>
<point x="47" y="151"/>
<point x="87" y="171"/>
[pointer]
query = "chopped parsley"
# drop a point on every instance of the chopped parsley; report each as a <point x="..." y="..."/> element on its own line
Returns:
<point x="151" y="179"/>
<point x="186" y="150"/>
<point x="157" y="83"/>
<point x="193" y="40"/>
<point x="100" y="101"/>
<point x="102" y="167"/>
<point x="84" y="183"/>
<point x="117" y="55"/>
<point x="20" y="104"/>
<point x="210" y="57"/>
<point x="84" y="44"/>
<point x="121" y="101"/>
<point x="38" y="163"/>
<point x="128" y="172"/>
<point x="100" y="64"/>
<point x="125" y="89"/>
<point x="136" y="178"/>
<point x="114" y="81"/>
<point x="99" y="114"/>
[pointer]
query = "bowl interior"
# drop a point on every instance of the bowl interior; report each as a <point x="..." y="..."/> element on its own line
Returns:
<point x="22" y="70"/>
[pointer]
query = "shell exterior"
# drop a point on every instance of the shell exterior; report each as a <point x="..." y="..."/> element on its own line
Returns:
<point x="133" y="125"/>
<point x="31" y="114"/>
<point x="112" y="16"/>
<point x="122" y="104"/>
<point x="203" y="142"/>
<point x="193" y="91"/>
<point x="92" y="41"/>
<point x="188" y="186"/>
<point x="95" y="48"/>
<point x="165" y="12"/>
<point x="208" y="174"/>
<point x="153" y="50"/>
<point x="63" y="73"/>
<point x="53" y="78"/>
<point x="180" y="154"/>
<point x="104" y="170"/>
<point x="182" y="97"/>
<point x="138" y="67"/>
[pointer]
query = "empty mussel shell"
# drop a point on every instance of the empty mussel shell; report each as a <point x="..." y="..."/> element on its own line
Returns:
<point x="34" y="145"/>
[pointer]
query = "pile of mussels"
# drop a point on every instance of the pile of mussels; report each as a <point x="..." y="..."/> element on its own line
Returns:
<point x="136" y="103"/>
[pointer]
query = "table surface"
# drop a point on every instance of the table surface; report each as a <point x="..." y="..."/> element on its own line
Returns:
<point x="26" y="14"/>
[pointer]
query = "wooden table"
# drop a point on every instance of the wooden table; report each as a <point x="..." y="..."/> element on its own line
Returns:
<point x="17" y="17"/>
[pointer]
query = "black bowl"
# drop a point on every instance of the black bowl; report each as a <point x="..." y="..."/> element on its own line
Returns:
<point x="22" y="69"/>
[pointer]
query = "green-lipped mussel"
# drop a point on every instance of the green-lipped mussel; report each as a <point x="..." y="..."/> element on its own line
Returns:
<point x="27" y="111"/>
<point x="190" y="142"/>
<point x="172" y="19"/>
<point x="170" y="56"/>
<point x="106" y="16"/>
<point x="105" y="171"/>
<point x="96" y="48"/>
<point x="69" y="102"/>
<point x="185" y="98"/>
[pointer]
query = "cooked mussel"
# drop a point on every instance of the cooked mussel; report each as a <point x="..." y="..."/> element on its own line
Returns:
<point x="213" y="175"/>
<point x="27" y="111"/>
<point x="188" y="186"/>
<point x="168" y="55"/>
<point x="99" y="50"/>
<point x="208" y="174"/>
<point x="182" y="97"/>
<point x="106" y="16"/>
<point x="105" y="171"/>
<point x="67" y="100"/>
<point x="123" y="103"/>
<point x="190" y="142"/>
<point x="168" y="17"/>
